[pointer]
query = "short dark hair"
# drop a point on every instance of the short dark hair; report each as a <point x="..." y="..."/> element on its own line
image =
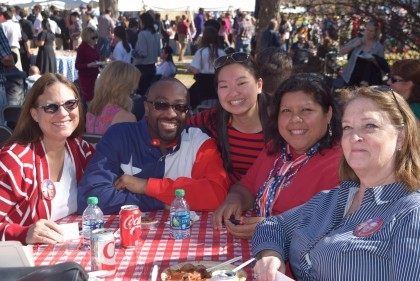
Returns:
<point x="315" y="85"/>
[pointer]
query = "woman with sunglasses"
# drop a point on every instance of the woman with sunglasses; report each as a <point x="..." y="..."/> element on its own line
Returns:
<point x="301" y="157"/>
<point x="368" y="228"/>
<point x="87" y="62"/>
<point x="236" y="122"/>
<point x="405" y="80"/>
<point x="42" y="162"/>
<point x="112" y="101"/>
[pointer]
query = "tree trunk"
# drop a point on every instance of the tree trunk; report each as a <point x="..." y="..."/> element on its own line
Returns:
<point x="267" y="10"/>
<point x="111" y="4"/>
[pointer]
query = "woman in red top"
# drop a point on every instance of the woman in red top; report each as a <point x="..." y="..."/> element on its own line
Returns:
<point x="300" y="160"/>
<point x="87" y="62"/>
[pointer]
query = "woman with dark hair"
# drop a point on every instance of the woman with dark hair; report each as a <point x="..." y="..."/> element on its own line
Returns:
<point x="301" y="158"/>
<point x="203" y="68"/>
<point x="167" y="67"/>
<point x="42" y="162"/>
<point x="45" y="60"/>
<point x="146" y="52"/>
<point x="368" y="227"/>
<point x="122" y="49"/>
<point x="239" y="121"/>
<point x="404" y="78"/>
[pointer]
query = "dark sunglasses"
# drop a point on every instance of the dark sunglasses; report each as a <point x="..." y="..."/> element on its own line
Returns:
<point x="53" y="107"/>
<point x="234" y="57"/>
<point x="94" y="37"/>
<point x="387" y="89"/>
<point x="393" y="79"/>
<point x="163" y="105"/>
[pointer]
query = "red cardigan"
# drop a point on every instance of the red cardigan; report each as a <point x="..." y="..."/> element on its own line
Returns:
<point x="22" y="170"/>
<point x="319" y="173"/>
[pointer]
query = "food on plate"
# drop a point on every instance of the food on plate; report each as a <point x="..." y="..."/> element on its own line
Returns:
<point x="188" y="272"/>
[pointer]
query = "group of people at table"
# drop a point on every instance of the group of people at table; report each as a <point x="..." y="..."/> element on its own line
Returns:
<point x="333" y="189"/>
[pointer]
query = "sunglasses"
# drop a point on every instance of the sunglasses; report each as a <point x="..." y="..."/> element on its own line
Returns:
<point x="234" y="57"/>
<point x="163" y="105"/>
<point x="387" y="89"/>
<point x="393" y="79"/>
<point x="94" y="37"/>
<point x="53" y="107"/>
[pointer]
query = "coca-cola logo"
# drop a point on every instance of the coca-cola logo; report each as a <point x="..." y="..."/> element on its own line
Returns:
<point x="109" y="250"/>
<point x="132" y="222"/>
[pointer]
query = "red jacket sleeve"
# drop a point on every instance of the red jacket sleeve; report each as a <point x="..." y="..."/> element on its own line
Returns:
<point x="207" y="187"/>
<point x="12" y="191"/>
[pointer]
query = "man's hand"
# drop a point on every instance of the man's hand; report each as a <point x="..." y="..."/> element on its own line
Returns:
<point x="245" y="229"/>
<point x="131" y="183"/>
<point x="8" y="61"/>
<point x="44" y="232"/>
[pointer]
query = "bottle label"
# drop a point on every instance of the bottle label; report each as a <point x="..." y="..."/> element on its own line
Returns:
<point x="180" y="220"/>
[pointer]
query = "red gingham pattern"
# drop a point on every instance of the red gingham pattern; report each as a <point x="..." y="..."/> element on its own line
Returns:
<point x="156" y="247"/>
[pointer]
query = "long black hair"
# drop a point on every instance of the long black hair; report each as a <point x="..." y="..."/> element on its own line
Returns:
<point x="120" y="32"/>
<point x="148" y="23"/>
<point x="222" y="117"/>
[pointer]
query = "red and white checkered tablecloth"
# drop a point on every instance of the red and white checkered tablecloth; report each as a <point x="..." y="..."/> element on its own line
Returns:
<point x="205" y="244"/>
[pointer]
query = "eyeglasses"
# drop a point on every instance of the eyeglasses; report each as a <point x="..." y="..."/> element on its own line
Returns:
<point x="53" y="107"/>
<point x="393" y="79"/>
<point x="235" y="57"/>
<point x="163" y="105"/>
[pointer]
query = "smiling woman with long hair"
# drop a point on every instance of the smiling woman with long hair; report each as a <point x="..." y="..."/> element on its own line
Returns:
<point x="42" y="162"/>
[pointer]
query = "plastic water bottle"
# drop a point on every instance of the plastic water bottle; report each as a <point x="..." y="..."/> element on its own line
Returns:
<point x="180" y="216"/>
<point x="93" y="218"/>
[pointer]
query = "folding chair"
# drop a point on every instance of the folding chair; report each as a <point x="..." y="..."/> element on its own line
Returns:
<point x="5" y="134"/>
<point x="91" y="138"/>
<point x="11" y="115"/>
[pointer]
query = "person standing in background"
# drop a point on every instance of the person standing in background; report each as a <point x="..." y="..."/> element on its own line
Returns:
<point x="199" y="24"/>
<point x="13" y="34"/>
<point x="6" y="60"/>
<point x="182" y="29"/>
<point x="106" y="25"/>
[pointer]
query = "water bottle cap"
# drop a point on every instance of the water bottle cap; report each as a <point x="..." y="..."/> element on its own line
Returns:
<point x="179" y="192"/>
<point x="92" y="200"/>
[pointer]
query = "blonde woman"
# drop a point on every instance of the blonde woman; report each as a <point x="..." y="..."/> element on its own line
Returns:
<point x="112" y="101"/>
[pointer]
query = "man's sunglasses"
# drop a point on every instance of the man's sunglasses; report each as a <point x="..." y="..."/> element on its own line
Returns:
<point x="163" y="105"/>
<point x="393" y="79"/>
<point x="53" y="107"/>
<point x="234" y="57"/>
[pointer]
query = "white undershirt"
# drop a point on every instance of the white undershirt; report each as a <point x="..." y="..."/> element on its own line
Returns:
<point x="65" y="200"/>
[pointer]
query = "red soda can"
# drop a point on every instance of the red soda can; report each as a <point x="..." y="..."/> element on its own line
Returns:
<point x="130" y="225"/>
<point x="103" y="251"/>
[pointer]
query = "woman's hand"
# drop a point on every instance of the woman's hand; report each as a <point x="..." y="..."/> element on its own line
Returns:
<point x="93" y="64"/>
<point x="245" y="229"/>
<point x="131" y="183"/>
<point x="230" y="208"/>
<point x="265" y="269"/>
<point x="44" y="232"/>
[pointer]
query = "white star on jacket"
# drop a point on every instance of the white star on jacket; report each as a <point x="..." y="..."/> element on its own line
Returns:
<point x="129" y="169"/>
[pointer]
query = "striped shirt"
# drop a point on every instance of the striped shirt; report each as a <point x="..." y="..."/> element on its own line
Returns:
<point x="23" y="168"/>
<point x="380" y="241"/>
<point x="244" y="148"/>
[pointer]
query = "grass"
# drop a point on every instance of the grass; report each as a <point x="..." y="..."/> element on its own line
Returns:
<point x="183" y="75"/>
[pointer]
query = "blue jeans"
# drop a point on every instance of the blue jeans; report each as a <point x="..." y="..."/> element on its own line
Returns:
<point x="243" y="46"/>
<point x="104" y="46"/>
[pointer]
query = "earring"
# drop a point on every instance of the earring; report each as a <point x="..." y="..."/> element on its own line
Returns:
<point x="329" y="130"/>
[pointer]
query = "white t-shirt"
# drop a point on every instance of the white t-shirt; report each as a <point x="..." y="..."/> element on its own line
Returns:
<point x="65" y="201"/>
<point x="121" y="54"/>
<point x="201" y="60"/>
<point x="166" y="69"/>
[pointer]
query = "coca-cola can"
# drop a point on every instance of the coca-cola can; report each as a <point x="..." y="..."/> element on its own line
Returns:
<point x="130" y="225"/>
<point x="103" y="251"/>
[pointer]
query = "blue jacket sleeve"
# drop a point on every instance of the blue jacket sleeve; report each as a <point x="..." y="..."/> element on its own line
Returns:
<point x="102" y="171"/>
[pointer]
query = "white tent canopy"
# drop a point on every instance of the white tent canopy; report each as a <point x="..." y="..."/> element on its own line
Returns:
<point x="186" y="5"/>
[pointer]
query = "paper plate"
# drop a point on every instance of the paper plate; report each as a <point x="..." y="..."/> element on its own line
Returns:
<point x="241" y="273"/>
